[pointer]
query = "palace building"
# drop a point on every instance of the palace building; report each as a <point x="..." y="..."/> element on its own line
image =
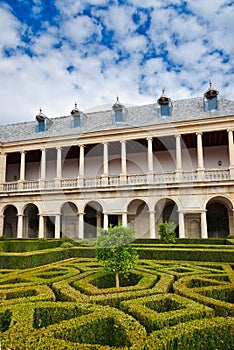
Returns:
<point x="140" y="166"/>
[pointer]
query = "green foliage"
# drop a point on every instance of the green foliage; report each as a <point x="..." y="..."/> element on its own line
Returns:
<point x="214" y="334"/>
<point x="167" y="232"/>
<point x="66" y="245"/>
<point x="5" y="320"/>
<point x="115" y="251"/>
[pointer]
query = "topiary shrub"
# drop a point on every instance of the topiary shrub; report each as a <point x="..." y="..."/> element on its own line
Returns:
<point x="167" y="232"/>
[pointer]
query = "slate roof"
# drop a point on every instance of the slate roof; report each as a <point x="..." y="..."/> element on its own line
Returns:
<point x="138" y="116"/>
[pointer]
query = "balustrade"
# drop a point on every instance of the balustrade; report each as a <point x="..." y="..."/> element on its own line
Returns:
<point x="115" y="180"/>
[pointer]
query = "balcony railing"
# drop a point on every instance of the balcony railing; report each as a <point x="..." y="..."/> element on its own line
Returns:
<point x="168" y="178"/>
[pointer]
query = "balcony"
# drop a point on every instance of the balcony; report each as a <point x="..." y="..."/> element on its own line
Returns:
<point x="162" y="179"/>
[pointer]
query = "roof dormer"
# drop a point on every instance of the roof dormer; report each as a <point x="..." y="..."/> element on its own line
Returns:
<point x="164" y="105"/>
<point x="118" y="112"/>
<point x="42" y="121"/>
<point x="76" y="117"/>
<point x="211" y="99"/>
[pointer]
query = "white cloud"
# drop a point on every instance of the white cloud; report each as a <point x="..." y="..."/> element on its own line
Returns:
<point x="10" y="29"/>
<point x="180" y="52"/>
<point x="77" y="30"/>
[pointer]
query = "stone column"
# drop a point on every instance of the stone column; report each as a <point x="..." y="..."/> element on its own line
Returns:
<point x="231" y="152"/>
<point x="1" y="224"/>
<point x="59" y="163"/>
<point x="150" y="160"/>
<point x="22" y="166"/>
<point x="200" y="160"/>
<point x="125" y="219"/>
<point x="41" y="233"/>
<point x="43" y="164"/>
<point x="204" y="233"/>
<point x="99" y="220"/>
<point x="105" y="159"/>
<point x="105" y="164"/>
<point x="57" y="226"/>
<point x="181" y="225"/>
<point x="123" y="175"/>
<point x="3" y="157"/>
<point x="81" y="166"/>
<point x="178" y="157"/>
<point x="20" y="226"/>
<point x="152" y="223"/>
<point x="105" y="221"/>
<point x="81" y="225"/>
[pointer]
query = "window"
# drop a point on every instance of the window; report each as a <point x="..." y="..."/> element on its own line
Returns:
<point x="76" y="117"/>
<point x="165" y="110"/>
<point x="211" y="102"/>
<point x="164" y="106"/>
<point x="41" y="126"/>
<point x="76" y="121"/>
<point x="118" y="112"/>
<point x="118" y="116"/>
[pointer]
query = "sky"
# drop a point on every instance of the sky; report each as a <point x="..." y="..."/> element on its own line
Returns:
<point x="54" y="53"/>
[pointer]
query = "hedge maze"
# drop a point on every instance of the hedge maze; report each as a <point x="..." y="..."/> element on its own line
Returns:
<point x="73" y="304"/>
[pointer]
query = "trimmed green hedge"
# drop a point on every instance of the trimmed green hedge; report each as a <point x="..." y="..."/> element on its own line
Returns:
<point x="183" y="254"/>
<point x="28" y="245"/>
<point x="43" y="257"/>
<point x="159" y="311"/>
<point x="52" y="324"/>
<point x="79" y="289"/>
<point x="208" y="291"/>
<point x="210" y="241"/>
<point x="213" y="334"/>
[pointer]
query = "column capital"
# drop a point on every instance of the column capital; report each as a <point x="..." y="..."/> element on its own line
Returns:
<point x="149" y="138"/>
<point x="23" y="151"/>
<point x="105" y="143"/>
<point x="43" y="149"/>
<point x="59" y="148"/>
<point x="80" y="145"/>
<point x="177" y="135"/>
<point x="199" y="133"/>
<point x="229" y="130"/>
<point x="123" y="141"/>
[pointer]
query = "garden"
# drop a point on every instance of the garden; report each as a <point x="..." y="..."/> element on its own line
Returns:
<point x="57" y="295"/>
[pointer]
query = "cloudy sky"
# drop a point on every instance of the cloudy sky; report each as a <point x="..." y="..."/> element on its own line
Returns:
<point x="58" y="52"/>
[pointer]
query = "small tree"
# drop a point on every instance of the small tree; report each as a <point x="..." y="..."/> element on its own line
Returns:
<point x="167" y="232"/>
<point x="114" y="250"/>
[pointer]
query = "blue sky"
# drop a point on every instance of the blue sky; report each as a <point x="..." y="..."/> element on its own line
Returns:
<point x="58" y="52"/>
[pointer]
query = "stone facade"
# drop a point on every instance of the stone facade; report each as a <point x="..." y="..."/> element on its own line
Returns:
<point x="70" y="181"/>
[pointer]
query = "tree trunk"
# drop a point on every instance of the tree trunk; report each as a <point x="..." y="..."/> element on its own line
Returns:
<point x="117" y="279"/>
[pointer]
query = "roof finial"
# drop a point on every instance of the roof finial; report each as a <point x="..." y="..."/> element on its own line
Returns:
<point x="210" y="82"/>
<point x="40" y="110"/>
<point x="75" y="105"/>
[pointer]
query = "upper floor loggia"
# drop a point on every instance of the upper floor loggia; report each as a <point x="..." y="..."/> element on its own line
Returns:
<point x="168" y="142"/>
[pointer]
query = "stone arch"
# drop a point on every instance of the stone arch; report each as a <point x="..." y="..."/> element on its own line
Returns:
<point x="10" y="222"/>
<point x="93" y="219"/>
<point x="69" y="220"/>
<point x="138" y="217"/>
<point x="219" y="217"/>
<point x="166" y="209"/>
<point x="30" y="221"/>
